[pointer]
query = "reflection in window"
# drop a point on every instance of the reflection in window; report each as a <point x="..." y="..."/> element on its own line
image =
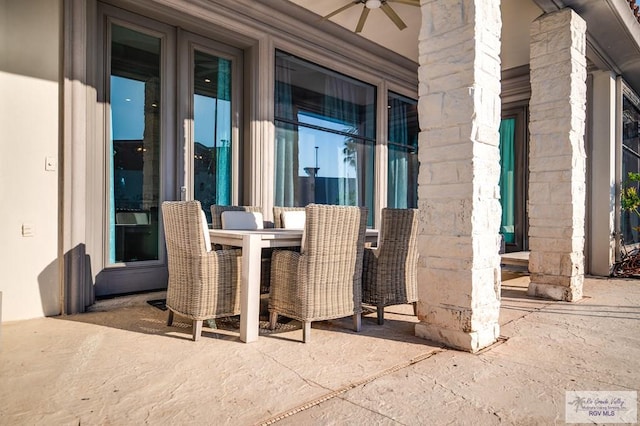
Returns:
<point x="212" y="129"/>
<point x="325" y="136"/>
<point x="402" y="180"/>
<point x="135" y="146"/>
<point x="630" y="163"/>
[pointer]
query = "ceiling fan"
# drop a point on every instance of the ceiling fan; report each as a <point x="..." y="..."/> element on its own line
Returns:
<point x="375" y="4"/>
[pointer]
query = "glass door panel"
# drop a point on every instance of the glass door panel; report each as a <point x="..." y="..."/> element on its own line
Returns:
<point x="212" y="130"/>
<point x="507" y="179"/>
<point x="513" y="179"/>
<point x="134" y="172"/>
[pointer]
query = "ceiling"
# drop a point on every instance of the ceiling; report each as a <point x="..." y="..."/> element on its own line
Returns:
<point x="378" y="27"/>
<point x="613" y="31"/>
<point x="613" y="39"/>
<point x="517" y="16"/>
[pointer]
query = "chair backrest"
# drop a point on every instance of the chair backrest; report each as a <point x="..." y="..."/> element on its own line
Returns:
<point x="399" y="232"/>
<point x="242" y="220"/>
<point x="293" y="219"/>
<point x="216" y="213"/>
<point x="279" y="210"/>
<point x="183" y="228"/>
<point x="333" y="246"/>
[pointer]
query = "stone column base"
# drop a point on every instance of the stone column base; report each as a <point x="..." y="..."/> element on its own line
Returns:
<point x="555" y="292"/>
<point x="470" y="342"/>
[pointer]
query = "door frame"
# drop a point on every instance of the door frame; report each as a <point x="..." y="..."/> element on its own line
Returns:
<point x="129" y="277"/>
<point x="188" y="42"/>
<point x="176" y="141"/>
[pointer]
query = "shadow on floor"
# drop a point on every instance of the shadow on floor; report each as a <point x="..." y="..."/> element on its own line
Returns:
<point x="147" y="315"/>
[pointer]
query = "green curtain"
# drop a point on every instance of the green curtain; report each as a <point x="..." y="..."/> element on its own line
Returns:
<point x="223" y="136"/>
<point x="507" y="183"/>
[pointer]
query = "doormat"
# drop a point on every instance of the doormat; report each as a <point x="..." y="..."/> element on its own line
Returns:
<point x="158" y="303"/>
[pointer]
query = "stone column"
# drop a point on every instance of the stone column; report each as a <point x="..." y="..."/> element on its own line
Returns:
<point x="557" y="156"/>
<point x="458" y="193"/>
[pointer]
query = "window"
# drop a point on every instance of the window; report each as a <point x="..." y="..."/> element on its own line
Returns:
<point x="402" y="178"/>
<point x="325" y="136"/>
<point x="630" y="162"/>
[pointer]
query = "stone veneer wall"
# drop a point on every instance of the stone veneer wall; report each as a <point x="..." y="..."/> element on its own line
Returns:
<point x="458" y="193"/>
<point x="557" y="157"/>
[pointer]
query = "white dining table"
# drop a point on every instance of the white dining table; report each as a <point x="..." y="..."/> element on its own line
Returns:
<point x="252" y="242"/>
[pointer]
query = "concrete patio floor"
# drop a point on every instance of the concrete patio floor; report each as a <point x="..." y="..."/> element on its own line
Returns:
<point x="121" y="365"/>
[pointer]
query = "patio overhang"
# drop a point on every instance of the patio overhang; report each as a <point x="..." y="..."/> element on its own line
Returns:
<point x="615" y="26"/>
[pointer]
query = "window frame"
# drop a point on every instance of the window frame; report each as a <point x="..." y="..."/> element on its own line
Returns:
<point x="140" y="275"/>
<point x="187" y="43"/>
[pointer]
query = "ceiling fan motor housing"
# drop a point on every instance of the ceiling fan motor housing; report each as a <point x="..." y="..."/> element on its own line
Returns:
<point x="373" y="4"/>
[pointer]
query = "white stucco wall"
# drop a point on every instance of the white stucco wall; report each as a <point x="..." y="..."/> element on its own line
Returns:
<point x="30" y="33"/>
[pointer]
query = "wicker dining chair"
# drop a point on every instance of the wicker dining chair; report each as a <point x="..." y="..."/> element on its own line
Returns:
<point x="323" y="281"/>
<point x="390" y="271"/>
<point x="277" y="214"/>
<point x="216" y="223"/>
<point x="203" y="283"/>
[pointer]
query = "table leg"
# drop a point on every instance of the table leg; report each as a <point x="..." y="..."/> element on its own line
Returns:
<point x="250" y="291"/>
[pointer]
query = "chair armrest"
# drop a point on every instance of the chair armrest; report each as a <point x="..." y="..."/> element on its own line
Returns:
<point x="284" y="263"/>
<point x="284" y="278"/>
<point x="224" y="268"/>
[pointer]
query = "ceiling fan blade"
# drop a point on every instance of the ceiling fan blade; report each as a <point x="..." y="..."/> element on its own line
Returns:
<point x="409" y="2"/>
<point x="363" y="18"/>
<point x="343" y="8"/>
<point x="393" y="16"/>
